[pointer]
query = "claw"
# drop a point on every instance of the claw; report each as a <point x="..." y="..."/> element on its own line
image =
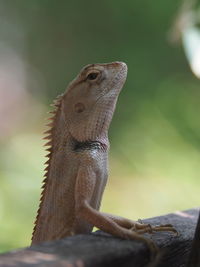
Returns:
<point x="165" y="227"/>
<point x="137" y="227"/>
<point x="172" y="228"/>
<point x="141" y="228"/>
<point x="140" y="221"/>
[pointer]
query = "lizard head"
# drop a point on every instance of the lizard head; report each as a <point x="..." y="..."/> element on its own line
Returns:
<point x="90" y="99"/>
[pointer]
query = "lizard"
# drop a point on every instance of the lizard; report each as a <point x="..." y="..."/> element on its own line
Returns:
<point x="77" y="165"/>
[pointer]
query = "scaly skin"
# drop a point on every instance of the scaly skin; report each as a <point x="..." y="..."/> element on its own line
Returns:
<point x="76" y="172"/>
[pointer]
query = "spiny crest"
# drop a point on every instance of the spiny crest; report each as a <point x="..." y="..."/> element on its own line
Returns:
<point x="49" y="137"/>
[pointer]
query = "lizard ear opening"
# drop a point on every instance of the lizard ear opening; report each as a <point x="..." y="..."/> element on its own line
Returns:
<point x="79" y="107"/>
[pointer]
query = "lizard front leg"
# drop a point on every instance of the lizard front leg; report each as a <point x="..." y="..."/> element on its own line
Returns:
<point x="84" y="189"/>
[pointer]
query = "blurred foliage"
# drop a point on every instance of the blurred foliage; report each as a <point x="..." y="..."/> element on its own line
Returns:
<point x="155" y="133"/>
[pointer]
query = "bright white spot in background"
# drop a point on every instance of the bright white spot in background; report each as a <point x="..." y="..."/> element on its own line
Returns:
<point x="191" y="44"/>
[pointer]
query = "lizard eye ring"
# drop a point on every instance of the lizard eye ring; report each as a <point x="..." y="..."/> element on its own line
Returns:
<point x="93" y="75"/>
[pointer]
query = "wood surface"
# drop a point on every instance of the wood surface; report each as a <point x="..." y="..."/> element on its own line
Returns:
<point x="101" y="249"/>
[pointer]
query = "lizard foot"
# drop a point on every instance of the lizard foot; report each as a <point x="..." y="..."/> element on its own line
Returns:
<point x="142" y="228"/>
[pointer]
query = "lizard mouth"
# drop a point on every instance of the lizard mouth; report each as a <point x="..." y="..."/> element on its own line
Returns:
<point x="117" y="81"/>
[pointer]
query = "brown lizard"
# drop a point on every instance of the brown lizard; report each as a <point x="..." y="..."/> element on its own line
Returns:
<point x="76" y="171"/>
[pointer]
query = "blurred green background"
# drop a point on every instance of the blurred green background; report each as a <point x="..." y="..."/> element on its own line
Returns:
<point x="155" y="133"/>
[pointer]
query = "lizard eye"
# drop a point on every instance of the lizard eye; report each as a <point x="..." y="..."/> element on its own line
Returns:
<point x="92" y="76"/>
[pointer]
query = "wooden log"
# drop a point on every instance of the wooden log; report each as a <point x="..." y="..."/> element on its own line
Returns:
<point x="102" y="250"/>
<point x="194" y="258"/>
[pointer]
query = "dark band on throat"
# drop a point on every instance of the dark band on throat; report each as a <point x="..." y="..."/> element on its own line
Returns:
<point x="88" y="145"/>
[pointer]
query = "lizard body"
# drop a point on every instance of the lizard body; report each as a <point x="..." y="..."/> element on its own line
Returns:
<point x="76" y="172"/>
